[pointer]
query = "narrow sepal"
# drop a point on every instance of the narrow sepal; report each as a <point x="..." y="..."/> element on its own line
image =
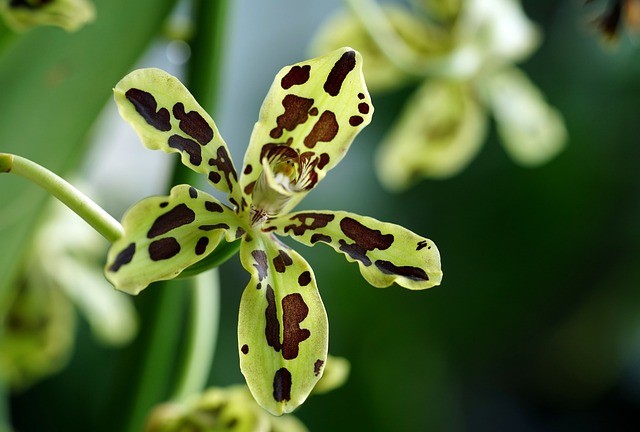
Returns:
<point x="385" y="252"/>
<point x="439" y="132"/>
<point x="165" y="235"/>
<point x="167" y="117"/>
<point x="308" y="120"/>
<point x="282" y="325"/>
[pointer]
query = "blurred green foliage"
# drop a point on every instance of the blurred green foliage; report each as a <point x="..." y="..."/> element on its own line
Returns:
<point x="536" y="324"/>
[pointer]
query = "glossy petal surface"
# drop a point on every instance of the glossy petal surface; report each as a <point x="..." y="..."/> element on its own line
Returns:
<point x="386" y="253"/>
<point x="165" y="235"/>
<point x="167" y="117"/>
<point x="308" y="120"/>
<point x="282" y="325"/>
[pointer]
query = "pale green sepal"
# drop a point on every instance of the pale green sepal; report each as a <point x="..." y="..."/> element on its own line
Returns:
<point x="307" y="122"/>
<point x="533" y="132"/>
<point x="167" y="117"/>
<point x="440" y="131"/>
<point x="165" y="235"/>
<point x="70" y="15"/>
<point x="386" y="253"/>
<point x="282" y="325"/>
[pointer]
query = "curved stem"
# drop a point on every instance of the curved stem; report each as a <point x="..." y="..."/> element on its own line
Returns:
<point x="88" y="210"/>
<point x="202" y="335"/>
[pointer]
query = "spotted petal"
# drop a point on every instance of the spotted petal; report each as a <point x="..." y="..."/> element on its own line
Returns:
<point x="167" y="117"/>
<point x="308" y="120"/>
<point x="165" y="235"/>
<point x="385" y="252"/>
<point x="282" y="325"/>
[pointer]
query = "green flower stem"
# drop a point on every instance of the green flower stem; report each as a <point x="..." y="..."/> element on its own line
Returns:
<point x="82" y="205"/>
<point x="202" y="335"/>
<point x="377" y="24"/>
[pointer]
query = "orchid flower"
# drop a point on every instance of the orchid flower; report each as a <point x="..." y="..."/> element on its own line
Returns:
<point x="70" y="15"/>
<point x="463" y="52"/>
<point x="308" y="120"/>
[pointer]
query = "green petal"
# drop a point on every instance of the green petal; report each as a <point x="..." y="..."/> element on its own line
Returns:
<point x="165" y="235"/>
<point x="533" y="132"/>
<point x="308" y="120"/>
<point x="167" y="117"/>
<point x="282" y="325"/>
<point x="438" y="134"/>
<point x="70" y="15"/>
<point x="385" y="252"/>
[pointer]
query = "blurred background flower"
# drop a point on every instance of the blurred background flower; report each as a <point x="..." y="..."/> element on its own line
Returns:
<point x="465" y="51"/>
<point x="536" y="327"/>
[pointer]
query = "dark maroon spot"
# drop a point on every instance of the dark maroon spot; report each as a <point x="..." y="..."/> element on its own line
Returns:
<point x="188" y="146"/>
<point x="164" y="204"/>
<point x="240" y="232"/>
<point x="213" y="207"/>
<point x="124" y="257"/>
<point x="249" y="188"/>
<point x="214" y="177"/>
<point x="421" y="245"/>
<point x="260" y="258"/>
<point x="305" y="278"/>
<point x="282" y="385"/>
<point x="163" y="249"/>
<point x="360" y="95"/>
<point x="193" y="124"/>
<point x="248" y="169"/>
<point x="272" y="328"/>
<point x="176" y="217"/>
<point x="193" y="192"/>
<point x="201" y="246"/>
<point x="259" y="285"/>
<point x="325" y="129"/>
<point x="324" y="160"/>
<point x="313" y="111"/>
<point x="297" y="75"/>
<point x="355" y="120"/>
<point x="320" y="237"/>
<point x="146" y="105"/>
<point x="296" y="112"/>
<point x="339" y="73"/>
<point x="245" y="349"/>
<point x="363" y="108"/>
<point x="211" y="227"/>
<point x="317" y="367"/>
<point x="28" y="4"/>
<point x="294" y="311"/>
<point x="413" y="273"/>
<point x="223" y="164"/>
<point x="308" y="221"/>
<point x="282" y="261"/>
<point x="366" y="239"/>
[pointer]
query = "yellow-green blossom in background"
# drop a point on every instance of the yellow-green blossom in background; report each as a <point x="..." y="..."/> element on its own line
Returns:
<point x="63" y="270"/>
<point x="70" y="15"/>
<point x="462" y="55"/>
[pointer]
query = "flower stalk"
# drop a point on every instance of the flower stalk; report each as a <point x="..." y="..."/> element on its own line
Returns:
<point x="82" y="205"/>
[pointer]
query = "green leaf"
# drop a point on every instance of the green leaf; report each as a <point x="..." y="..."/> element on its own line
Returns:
<point x="282" y="325"/>
<point x="440" y="130"/>
<point x="165" y="235"/>
<point x="307" y="122"/>
<point x="385" y="252"/>
<point x="167" y="117"/>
